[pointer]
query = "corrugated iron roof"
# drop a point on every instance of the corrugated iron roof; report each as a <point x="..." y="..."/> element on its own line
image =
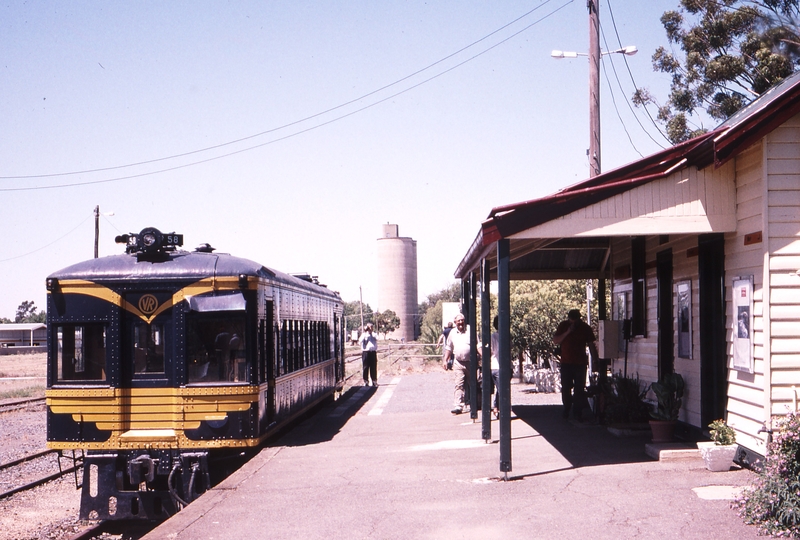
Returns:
<point x="736" y="134"/>
<point x="16" y="327"/>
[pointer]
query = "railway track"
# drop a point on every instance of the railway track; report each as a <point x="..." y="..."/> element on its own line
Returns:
<point x="20" y="404"/>
<point x="130" y="530"/>
<point x="38" y="480"/>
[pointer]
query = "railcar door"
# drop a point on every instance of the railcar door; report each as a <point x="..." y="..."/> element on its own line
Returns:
<point x="147" y="340"/>
<point x="146" y="360"/>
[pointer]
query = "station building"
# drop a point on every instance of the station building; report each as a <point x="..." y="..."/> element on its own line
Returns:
<point x="700" y="246"/>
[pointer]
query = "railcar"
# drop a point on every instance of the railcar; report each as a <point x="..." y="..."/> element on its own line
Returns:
<point x="164" y="362"/>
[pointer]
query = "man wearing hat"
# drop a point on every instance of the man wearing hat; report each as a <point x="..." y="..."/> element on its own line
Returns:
<point x="574" y="335"/>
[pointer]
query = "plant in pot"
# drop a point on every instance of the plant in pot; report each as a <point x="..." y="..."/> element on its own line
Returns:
<point x="625" y="401"/>
<point x="669" y="395"/>
<point x="718" y="453"/>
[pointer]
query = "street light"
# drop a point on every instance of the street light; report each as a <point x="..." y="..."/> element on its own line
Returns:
<point x="630" y="50"/>
<point x="594" y="55"/>
<point x="594" y="100"/>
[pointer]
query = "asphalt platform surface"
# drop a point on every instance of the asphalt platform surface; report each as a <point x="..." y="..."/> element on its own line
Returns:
<point x="393" y="462"/>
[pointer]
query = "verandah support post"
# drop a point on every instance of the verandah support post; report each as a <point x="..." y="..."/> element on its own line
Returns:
<point x="504" y="351"/>
<point x="472" y="318"/>
<point x="486" y="338"/>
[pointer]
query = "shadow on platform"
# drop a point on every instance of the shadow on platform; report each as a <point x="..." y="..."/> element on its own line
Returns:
<point x="583" y="445"/>
<point x="326" y="421"/>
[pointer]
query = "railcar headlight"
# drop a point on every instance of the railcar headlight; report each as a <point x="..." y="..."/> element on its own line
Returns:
<point x="151" y="240"/>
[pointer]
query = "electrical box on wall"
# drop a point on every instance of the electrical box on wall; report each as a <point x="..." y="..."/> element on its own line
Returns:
<point x="608" y="338"/>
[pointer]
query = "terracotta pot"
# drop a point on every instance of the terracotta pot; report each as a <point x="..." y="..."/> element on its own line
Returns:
<point x="663" y="430"/>
<point x="718" y="458"/>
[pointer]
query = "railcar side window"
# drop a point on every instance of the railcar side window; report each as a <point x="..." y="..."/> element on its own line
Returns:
<point x="81" y="353"/>
<point x="215" y="348"/>
<point x="303" y="343"/>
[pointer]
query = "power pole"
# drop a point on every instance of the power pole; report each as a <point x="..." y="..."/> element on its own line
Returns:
<point x="594" y="87"/>
<point x="361" y="305"/>
<point x="96" y="229"/>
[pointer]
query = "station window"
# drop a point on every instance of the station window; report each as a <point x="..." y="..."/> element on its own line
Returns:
<point x="215" y="347"/>
<point x="81" y="352"/>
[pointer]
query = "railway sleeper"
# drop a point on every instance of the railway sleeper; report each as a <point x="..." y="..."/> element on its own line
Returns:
<point x="148" y="484"/>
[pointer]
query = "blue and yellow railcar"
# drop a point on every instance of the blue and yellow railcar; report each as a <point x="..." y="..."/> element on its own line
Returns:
<point x="162" y="362"/>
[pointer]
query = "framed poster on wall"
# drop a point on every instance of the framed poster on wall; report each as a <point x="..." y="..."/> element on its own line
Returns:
<point x="684" y="319"/>
<point x="743" y="324"/>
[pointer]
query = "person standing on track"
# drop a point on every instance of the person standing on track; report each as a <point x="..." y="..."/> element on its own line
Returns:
<point x="369" y="356"/>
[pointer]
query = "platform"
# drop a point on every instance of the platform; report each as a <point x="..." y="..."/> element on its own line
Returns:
<point x="392" y="462"/>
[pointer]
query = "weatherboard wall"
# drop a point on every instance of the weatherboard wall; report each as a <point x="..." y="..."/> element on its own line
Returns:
<point x="781" y="239"/>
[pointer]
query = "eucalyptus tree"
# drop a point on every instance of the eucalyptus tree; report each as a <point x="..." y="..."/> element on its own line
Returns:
<point x="731" y="51"/>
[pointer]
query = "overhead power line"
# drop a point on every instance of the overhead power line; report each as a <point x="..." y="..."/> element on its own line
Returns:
<point x="636" y="86"/>
<point x="288" y="125"/>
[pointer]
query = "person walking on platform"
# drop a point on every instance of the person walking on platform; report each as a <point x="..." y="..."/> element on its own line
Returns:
<point x="443" y="341"/>
<point x="494" y="347"/>
<point x="369" y="356"/>
<point x="458" y="348"/>
<point x="573" y="335"/>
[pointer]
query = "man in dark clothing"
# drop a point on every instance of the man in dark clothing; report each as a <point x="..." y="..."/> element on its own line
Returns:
<point x="573" y="335"/>
<point x="369" y="356"/>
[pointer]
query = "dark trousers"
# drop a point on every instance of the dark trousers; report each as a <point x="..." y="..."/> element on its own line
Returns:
<point x="369" y="365"/>
<point x="573" y="378"/>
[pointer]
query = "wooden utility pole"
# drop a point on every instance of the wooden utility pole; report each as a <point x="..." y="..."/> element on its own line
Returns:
<point x="96" y="229"/>
<point x="594" y="87"/>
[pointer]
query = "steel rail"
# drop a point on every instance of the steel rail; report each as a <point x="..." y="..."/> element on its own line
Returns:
<point x="19" y="404"/>
<point x="39" y="482"/>
<point x="29" y="457"/>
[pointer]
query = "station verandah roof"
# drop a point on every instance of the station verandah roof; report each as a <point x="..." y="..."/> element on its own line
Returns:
<point x="584" y="255"/>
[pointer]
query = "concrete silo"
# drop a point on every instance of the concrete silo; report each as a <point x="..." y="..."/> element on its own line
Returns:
<point x="397" y="280"/>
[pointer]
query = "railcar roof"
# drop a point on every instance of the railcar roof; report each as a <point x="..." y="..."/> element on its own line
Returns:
<point x="180" y="265"/>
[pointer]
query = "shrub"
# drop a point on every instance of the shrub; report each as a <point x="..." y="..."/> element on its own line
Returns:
<point x="772" y="503"/>
<point x="722" y="433"/>
<point x="669" y="393"/>
<point x="625" y="400"/>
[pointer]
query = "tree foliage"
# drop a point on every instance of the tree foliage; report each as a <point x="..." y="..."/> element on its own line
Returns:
<point x="430" y="311"/>
<point x="451" y="293"/>
<point x="27" y="313"/>
<point x="731" y="52"/>
<point x="352" y="315"/>
<point x="537" y="307"/>
<point x="386" y="322"/>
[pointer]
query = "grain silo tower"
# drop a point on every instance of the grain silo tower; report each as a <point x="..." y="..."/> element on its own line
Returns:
<point x="397" y="280"/>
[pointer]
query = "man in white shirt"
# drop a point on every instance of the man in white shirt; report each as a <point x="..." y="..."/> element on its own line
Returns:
<point x="369" y="356"/>
<point x="458" y="348"/>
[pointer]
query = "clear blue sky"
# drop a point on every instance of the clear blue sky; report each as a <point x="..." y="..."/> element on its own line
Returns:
<point x="99" y="85"/>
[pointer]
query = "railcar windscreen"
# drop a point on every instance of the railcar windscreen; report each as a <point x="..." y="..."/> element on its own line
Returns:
<point x="215" y="347"/>
<point x="81" y="352"/>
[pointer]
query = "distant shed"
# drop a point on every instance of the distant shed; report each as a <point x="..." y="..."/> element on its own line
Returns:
<point x="23" y="335"/>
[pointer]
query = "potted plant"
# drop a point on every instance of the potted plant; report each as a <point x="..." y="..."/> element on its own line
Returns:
<point x="669" y="395"/>
<point x="625" y="402"/>
<point x="718" y="453"/>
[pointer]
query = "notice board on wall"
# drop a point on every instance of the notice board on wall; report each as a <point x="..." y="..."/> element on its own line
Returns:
<point x="743" y="324"/>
